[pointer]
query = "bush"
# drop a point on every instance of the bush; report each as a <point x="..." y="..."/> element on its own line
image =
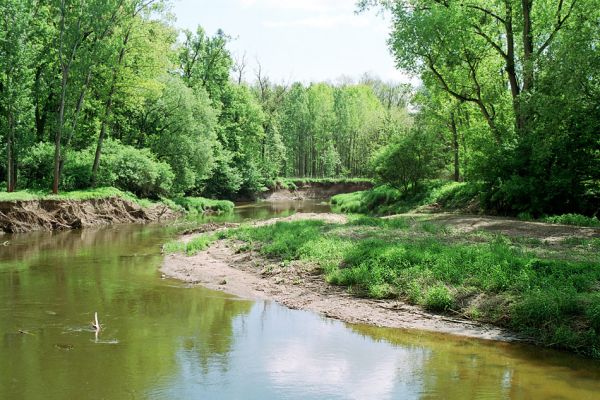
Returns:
<point x="385" y="199"/>
<point x="407" y="161"/>
<point x="200" y="205"/>
<point x="137" y="171"/>
<point x="438" y="298"/>
<point x="36" y="167"/>
<point x="121" y="166"/>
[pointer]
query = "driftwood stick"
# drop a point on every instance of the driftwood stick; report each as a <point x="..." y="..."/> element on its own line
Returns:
<point x="96" y="324"/>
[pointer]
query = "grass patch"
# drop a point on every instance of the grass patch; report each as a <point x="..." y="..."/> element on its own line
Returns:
<point x="200" y="205"/>
<point x="573" y="219"/>
<point x="386" y="200"/>
<point x="79" y="195"/>
<point x="190" y="248"/>
<point x="556" y="302"/>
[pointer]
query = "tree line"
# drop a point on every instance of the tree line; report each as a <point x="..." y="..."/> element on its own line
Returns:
<point x="510" y="97"/>
<point x="109" y="93"/>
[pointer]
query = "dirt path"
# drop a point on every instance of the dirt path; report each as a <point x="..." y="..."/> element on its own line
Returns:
<point x="506" y="226"/>
<point x="301" y="286"/>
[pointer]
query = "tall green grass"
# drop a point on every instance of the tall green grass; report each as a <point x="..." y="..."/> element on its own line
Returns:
<point x="200" y="205"/>
<point x="556" y="302"/>
<point x="385" y="200"/>
<point x="191" y="247"/>
<point x="573" y="219"/>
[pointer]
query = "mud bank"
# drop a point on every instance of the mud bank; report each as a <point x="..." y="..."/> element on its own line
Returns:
<point x="48" y="215"/>
<point x="228" y="266"/>
<point x="315" y="190"/>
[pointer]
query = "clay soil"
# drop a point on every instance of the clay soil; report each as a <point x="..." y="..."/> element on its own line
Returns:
<point x="47" y="215"/>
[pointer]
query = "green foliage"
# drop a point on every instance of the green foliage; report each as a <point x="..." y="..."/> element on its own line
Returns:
<point x="407" y="161"/>
<point x="124" y="167"/>
<point x="438" y="298"/>
<point x="385" y="200"/>
<point x="191" y="247"/>
<point x="528" y="134"/>
<point x="200" y="205"/>
<point x="573" y="219"/>
<point x="87" y="194"/>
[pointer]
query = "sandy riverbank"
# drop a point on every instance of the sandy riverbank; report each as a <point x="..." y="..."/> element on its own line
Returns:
<point x="227" y="267"/>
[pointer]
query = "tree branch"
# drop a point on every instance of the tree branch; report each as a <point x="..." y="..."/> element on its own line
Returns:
<point x="559" y="24"/>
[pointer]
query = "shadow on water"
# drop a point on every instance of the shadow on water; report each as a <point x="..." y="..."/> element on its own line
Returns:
<point x="162" y="339"/>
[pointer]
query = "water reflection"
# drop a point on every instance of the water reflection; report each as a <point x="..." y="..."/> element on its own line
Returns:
<point x="161" y="339"/>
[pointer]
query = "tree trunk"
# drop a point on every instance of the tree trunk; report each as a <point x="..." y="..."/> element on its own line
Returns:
<point x="455" y="147"/>
<point x="75" y="118"/>
<point x="108" y="108"/>
<point x="527" y="46"/>
<point x="58" y="135"/>
<point x="515" y="89"/>
<point x="10" y="161"/>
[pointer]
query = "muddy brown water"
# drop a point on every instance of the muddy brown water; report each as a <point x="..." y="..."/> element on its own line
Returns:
<point x="164" y="340"/>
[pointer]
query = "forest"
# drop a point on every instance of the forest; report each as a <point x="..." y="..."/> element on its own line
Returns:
<point x="109" y="93"/>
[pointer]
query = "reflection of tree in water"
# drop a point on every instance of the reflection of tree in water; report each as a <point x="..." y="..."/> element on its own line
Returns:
<point x="114" y="272"/>
<point x="463" y="368"/>
<point x="211" y="338"/>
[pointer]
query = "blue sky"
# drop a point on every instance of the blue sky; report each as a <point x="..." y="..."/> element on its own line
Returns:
<point x="297" y="40"/>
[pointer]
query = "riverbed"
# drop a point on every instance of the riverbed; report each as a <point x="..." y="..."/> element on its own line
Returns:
<point x="162" y="339"/>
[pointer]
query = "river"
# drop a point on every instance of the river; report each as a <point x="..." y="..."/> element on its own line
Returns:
<point x="162" y="339"/>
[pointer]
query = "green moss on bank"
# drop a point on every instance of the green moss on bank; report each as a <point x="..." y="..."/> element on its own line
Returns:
<point x="483" y="277"/>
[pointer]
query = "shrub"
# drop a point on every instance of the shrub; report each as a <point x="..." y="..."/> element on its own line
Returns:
<point x="200" y="205"/>
<point x="438" y="298"/>
<point x="121" y="166"/>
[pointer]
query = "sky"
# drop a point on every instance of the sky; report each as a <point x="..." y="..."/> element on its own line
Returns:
<point x="297" y="40"/>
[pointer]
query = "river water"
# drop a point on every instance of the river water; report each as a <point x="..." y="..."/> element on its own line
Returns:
<point x="164" y="340"/>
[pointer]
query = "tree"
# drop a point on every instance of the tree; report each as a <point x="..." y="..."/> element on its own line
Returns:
<point x="15" y="80"/>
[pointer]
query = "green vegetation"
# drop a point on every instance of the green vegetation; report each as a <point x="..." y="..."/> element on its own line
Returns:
<point x="200" y="205"/>
<point x="143" y="107"/>
<point x="192" y="206"/>
<point x="573" y="219"/>
<point x="194" y="246"/>
<point x="386" y="200"/>
<point x="97" y="193"/>
<point x="509" y="101"/>
<point x="484" y="277"/>
<point x="294" y="183"/>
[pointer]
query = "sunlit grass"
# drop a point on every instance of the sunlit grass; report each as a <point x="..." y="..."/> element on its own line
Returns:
<point x="494" y="279"/>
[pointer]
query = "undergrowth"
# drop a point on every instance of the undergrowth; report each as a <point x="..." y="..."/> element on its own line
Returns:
<point x="386" y="200"/>
<point x="200" y="205"/>
<point x="294" y="183"/>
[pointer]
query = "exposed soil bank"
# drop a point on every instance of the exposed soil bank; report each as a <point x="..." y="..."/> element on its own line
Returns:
<point x="315" y="190"/>
<point x="301" y="286"/>
<point x="40" y="215"/>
